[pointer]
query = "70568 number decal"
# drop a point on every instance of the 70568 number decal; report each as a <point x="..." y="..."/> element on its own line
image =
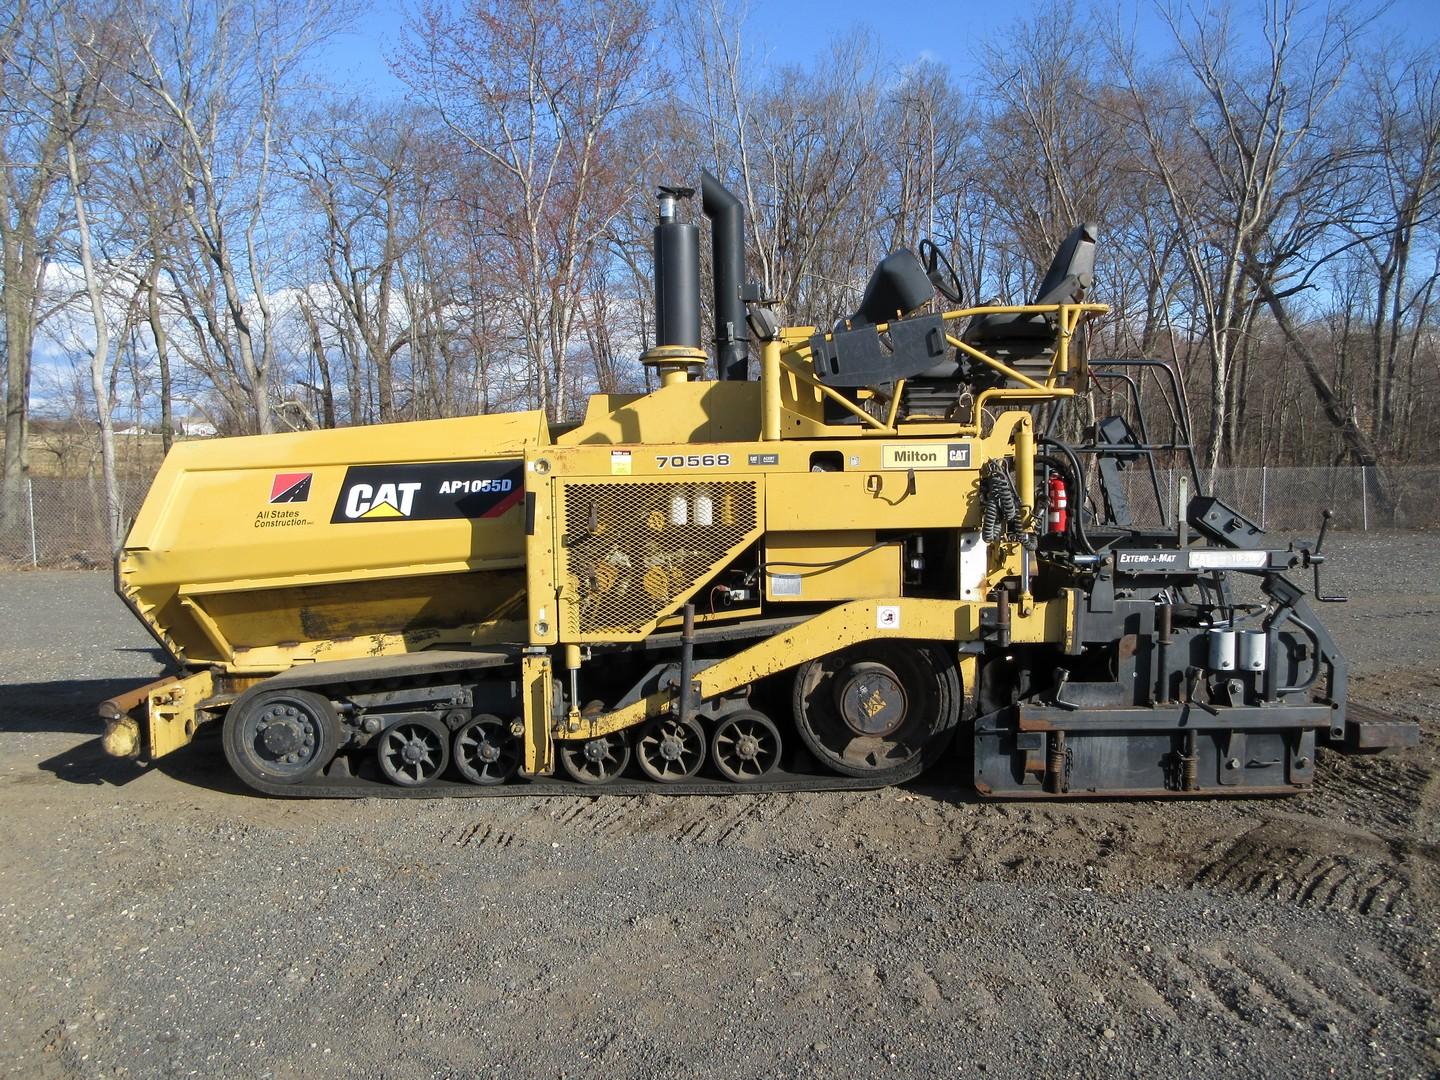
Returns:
<point x="692" y="461"/>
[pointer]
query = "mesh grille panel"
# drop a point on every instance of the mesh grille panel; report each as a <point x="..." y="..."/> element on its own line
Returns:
<point x="633" y="549"/>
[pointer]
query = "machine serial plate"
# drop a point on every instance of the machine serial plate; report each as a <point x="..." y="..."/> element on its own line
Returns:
<point x="925" y="455"/>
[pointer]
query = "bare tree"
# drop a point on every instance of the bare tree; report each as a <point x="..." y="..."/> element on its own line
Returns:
<point x="1403" y="99"/>
<point x="83" y="56"/>
<point x="215" y="85"/>
<point x="1228" y="149"/>
<point x="358" y="169"/>
<point x="534" y="89"/>
<point x="1047" y="154"/>
<point x="923" y="152"/>
<point x="31" y="171"/>
<point x="148" y="201"/>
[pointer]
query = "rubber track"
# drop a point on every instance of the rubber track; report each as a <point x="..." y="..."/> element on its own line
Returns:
<point x="349" y="787"/>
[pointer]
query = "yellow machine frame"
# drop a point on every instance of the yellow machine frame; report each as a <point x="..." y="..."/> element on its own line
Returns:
<point x="765" y="433"/>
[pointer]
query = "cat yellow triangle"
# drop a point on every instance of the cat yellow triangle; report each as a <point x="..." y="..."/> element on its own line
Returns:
<point x="382" y="510"/>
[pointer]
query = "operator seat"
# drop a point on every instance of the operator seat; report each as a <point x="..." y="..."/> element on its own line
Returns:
<point x="1010" y="337"/>
<point x="1024" y="342"/>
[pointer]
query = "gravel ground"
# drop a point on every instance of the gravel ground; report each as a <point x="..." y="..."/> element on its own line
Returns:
<point x="162" y="921"/>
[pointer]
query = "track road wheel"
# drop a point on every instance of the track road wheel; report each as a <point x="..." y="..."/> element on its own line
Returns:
<point x="745" y="746"/>
<point x="413" y="752"/>
<point x="595" y="761"/>
<point x="878" y="707"/>
<point x="485" y="752"/>
<point x="670" y="750"/>
<point x="281" y="736"/>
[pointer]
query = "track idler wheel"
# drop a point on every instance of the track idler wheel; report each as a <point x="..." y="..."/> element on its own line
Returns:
<point x="595" y="761"/>
<point x="413" y="752"/>
<point x="670" y="749"/>
<point x="879" y="707"/>
<point x="281" y="736"/>
<point x="485" y="751"/>
<point x="746" y="746"/>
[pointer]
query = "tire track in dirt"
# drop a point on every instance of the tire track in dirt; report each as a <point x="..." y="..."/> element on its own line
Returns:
<point x="1382" y="793"/>
<point x="1132" y="984"/>
<point x="1254" y="984"/>
<point x="1303" y="996"/>
<point x="694" y="822"/>
<point x="594" y="816"/>
<point x="1291" y="864"/>
<point x="476" y="836"/>
<point x="1185" y="986"/>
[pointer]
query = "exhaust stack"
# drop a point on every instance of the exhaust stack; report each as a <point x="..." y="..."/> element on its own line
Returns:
<point x="727" y="245"/>
<point x="677" y="275"/>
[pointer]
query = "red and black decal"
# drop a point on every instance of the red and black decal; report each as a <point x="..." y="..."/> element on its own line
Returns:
<point x="290" y="487"/>
<point x="429" y="491"/>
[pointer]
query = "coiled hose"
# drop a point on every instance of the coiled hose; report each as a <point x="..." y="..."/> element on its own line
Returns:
<point x="1000" y="503"/>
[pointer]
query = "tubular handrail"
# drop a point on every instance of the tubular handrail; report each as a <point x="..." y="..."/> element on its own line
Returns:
<point x="795" y="357"/>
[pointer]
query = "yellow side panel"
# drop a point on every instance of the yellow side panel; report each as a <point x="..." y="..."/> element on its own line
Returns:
<point x="809" y="566"/>
<point x="695" y="412"/>
<point x="879" y="499"/>
<point x="321" y="536"/>
<point x="259" y="617"/>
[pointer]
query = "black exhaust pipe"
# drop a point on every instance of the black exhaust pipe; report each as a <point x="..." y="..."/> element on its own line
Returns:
<point x="727" y="246"/>
<point x="677" y="275"/>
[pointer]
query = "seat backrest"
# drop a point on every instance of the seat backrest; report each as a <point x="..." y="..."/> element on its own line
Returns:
<point x="898" y="286"/>
<point x="1073" y="271"/>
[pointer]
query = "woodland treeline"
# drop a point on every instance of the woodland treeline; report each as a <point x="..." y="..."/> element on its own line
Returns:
<point x="196" y="224"/>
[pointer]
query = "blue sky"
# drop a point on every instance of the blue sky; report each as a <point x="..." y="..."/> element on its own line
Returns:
<point x="794" y="31"/>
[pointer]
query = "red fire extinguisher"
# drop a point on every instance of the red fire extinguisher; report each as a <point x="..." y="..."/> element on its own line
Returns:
<point x="1059" y="503"/>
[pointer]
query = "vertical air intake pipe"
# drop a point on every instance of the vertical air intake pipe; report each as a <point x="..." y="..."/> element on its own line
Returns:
<point x="727" y="242"/>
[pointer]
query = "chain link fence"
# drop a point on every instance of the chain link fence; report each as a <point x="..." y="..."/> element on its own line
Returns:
<point x="63" y="524"/>
<point x="1284" y="499"/>
<point x="63" y="520"/>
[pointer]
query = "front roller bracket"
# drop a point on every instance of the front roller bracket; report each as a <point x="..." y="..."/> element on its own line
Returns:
<point x="158" y="718"/>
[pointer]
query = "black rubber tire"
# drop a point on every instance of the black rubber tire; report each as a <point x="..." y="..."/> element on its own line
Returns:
<point x="652" y="761"/>
<point x="571" y="753"/>
<point x="467" y="754"/>
<point x="931" y="711"/>
<point x="436" y="740"/>
<point x="310" y="713"/>
<point x="723" y="752"/>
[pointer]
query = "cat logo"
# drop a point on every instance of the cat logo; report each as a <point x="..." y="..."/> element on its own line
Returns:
<point x="430" y="491"/>
<point x="365" y="502"/>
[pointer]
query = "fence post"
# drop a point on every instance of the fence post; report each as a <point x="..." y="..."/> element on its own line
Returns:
<point x="30" y="498"/>
<point x="1365" y="498"/>
<point x="1264" y="490"/>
